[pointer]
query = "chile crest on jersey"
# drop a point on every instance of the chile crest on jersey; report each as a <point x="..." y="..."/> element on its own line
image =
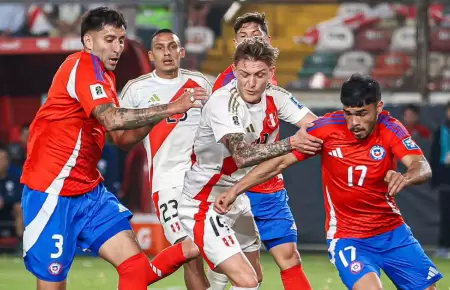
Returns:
<point x="377" y="152"/>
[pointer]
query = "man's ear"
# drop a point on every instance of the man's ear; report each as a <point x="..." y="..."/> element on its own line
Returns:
<point x="150" y="56"/>
<point x="380" y="107"/>
<point x="88" y="41"/>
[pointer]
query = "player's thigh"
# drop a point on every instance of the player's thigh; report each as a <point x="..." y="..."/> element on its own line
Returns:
<point x="407" y="265"/>
<point x="352" y="259"/>
<point x="44" y="285"/>
<point x="241" y="220"/>
<point x="209" y="231"/>
<point x="52" y="224"/>
<point x="239" y="270"/>
<point x="166" y="204"/>
<point x="108" y="231"/>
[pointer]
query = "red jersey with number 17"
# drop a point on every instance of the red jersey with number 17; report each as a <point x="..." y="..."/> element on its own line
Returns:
<point x="353" y="171"/>
<point x="66" y="141"/>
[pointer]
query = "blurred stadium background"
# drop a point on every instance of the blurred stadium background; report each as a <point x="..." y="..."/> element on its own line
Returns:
<point x="405" y="45"/>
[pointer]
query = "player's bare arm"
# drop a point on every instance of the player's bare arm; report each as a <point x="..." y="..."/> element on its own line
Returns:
<point x="142" y="120"/>
<point x="246" y="154"/>
<point x="257" y="175"/>
<point x="418" y="171"/>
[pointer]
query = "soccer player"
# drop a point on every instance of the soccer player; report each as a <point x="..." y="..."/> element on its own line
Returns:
<point x="169" y="144"/>
<point x="273" y="216"/>
<point x="246" y="26"/>
<point x="237" y="128"/>
<point x="365" y="230"/>
<point x="64" y="202"/>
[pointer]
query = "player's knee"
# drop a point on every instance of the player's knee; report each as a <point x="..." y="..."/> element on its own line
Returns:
<point x="247" y="279"/>
<point x="286" y="256"/>
<point x="190" y="249"/>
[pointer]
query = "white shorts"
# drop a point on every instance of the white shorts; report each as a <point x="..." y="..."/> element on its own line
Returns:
<point x="166" y="204"/>
<point x="219" y="237"/>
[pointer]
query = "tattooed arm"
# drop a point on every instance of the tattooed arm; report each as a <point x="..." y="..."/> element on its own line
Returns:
<point x="128" y="127"/>
<point x="245" y="154"/>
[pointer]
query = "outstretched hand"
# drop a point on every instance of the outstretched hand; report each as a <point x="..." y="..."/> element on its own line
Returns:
<point x="191" y="98"/>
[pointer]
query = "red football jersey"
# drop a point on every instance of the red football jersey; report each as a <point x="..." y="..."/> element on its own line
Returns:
<point x="66" y="142"/>
<point x="276" y="183"/>
<point x="355" y="194"/>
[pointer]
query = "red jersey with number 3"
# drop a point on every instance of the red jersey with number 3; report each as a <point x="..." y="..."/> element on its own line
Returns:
<point x="353" y="171"/>
<point x="66" y="141"/>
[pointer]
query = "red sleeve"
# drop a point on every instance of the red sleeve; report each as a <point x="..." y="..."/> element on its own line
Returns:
<point x="401" y="142"/>
<point x="90" y="84"/>
<point x="218" y="83"/>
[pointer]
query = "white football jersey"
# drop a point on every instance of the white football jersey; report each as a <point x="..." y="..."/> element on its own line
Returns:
<point x="214" y="170"/>
<point x="169" y="144"/>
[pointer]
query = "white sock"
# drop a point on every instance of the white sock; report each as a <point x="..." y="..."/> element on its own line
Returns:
<point x="216" y="280"/>
<point x="240" y="288"/>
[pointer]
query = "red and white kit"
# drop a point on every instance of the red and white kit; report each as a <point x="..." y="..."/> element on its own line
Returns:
<point x="215" y="171"/>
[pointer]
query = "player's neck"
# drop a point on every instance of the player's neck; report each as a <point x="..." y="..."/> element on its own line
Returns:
<point x="167" y="76"/>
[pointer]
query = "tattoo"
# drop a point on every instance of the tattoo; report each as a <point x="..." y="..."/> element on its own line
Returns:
<point x="246" y="155"/>
<point x="113" y="118"/>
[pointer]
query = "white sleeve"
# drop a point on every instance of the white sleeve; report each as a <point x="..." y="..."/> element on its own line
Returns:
<point x="222" y="120"/>
<point x="289" y="109"/>
<point x="126" y="98"/>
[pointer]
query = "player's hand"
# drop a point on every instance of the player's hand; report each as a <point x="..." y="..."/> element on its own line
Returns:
<point x="396" y="182"/>
<point x="304" y="142"/>
<point x="191" y="98"/>
<point x="224" y="202"/>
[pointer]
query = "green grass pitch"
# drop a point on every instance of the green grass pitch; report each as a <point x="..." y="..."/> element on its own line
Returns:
<point x="92" y="273"/>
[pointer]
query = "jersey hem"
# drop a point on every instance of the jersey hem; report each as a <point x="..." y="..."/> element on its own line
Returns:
<point x="368" y="235"/>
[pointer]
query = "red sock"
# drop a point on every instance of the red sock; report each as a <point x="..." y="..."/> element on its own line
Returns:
<point x="133" y="273"/>
<point x="165" y="263"/>
<point x="295" y="279"/>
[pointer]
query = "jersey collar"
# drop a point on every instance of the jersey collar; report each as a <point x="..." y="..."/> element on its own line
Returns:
<point x="166" y="81"/>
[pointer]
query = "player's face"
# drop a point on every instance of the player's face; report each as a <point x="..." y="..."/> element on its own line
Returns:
<point x="252" y="79"/>
<point x="4" y="162"/>
<point x="107" y="44"/>
<point x="361" y="121"/>
<point x="248" y="30"/>
<point x="166" y="53"/>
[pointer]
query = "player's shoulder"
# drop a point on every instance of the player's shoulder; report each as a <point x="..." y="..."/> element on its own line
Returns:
<point x="137" y="83"/>
<point x="195" y="75"/>
<point x="277" y="91"/>
<point x="391" y="125"/>
<point x="225" y="96"/>
<point x="333" y="121"/>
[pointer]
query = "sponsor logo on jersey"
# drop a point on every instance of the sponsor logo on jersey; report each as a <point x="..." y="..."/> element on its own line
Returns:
<point x="356" y="267"/>
<point x="377" y="152"/>
<point x="294" y="100"/>
<point x="55" y="268"/>
<point x="97" y="91"/>
<point x="410" y="144"/>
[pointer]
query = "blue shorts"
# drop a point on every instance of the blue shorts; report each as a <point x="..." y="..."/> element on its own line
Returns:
<point x="397" y="252"/>
<point x="273" y="217"/>
<point x="56" y="225"/>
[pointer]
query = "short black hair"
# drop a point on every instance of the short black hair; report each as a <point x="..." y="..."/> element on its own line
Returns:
<point x="412" y="107"/>
<point x="256" y="17"/>
<point x="160" y="31"/>
<point x="360" y="90"/>
<point x="95" y="19"/>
